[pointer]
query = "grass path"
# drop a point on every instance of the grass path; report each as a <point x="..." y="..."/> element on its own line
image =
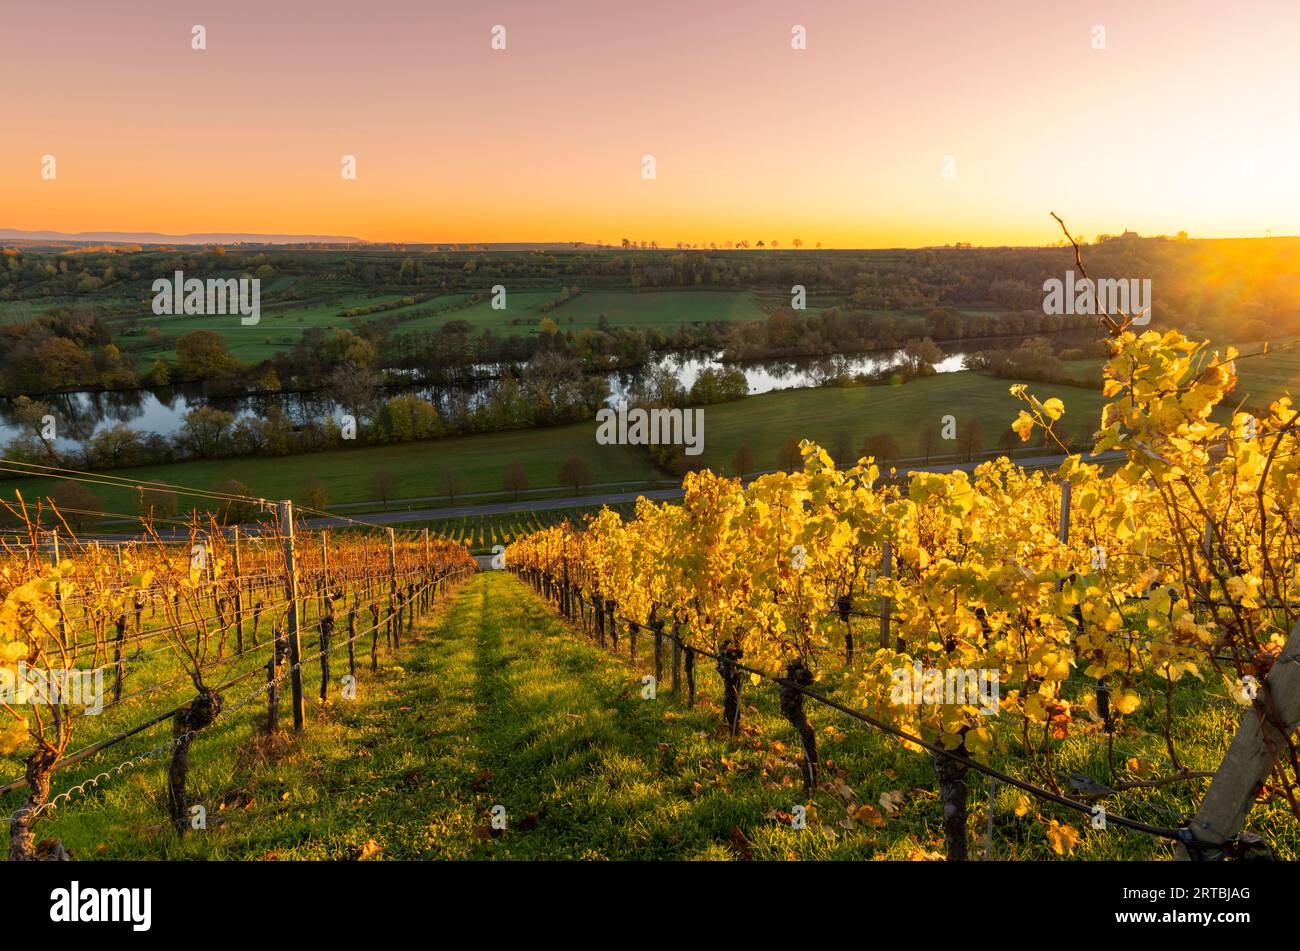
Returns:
<point x="500" y="705"/>
<point x="495" y="702"/>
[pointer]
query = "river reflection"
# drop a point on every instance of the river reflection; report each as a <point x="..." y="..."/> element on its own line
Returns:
<point x="80" y="415"/>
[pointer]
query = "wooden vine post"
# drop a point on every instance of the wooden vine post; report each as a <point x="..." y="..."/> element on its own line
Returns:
<point x="324" y="570"/>
<point x="1263" y="735"/>
<point x="394" y="619"/>
<point x="291" y="632"/>
<point x="426" y="596"/>
<point x="239" y="596"/>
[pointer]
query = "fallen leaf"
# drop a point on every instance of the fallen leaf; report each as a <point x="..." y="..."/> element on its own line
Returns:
<point x="868" y="814"/>
<point x="1062" y="837"/>
<point x="741" y="844"/>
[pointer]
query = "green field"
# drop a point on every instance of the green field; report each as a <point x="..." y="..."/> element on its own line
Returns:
<point x="661" y="310"/>
<point x="280" y="326"/>
<point x="290" y="306"/>
<point x="496" y="701"/>
<point x="764" y="423"/>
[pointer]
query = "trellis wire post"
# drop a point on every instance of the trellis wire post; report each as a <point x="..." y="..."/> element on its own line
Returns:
<point x="239" y="595"/>
<point x="394" y="623"/>
<point x="291" y="592"/>
<point x="1063" y="532"/>
<point x="1260" y="739"/>
<point x="324" y="569"/>
<point x="426" y="597"/>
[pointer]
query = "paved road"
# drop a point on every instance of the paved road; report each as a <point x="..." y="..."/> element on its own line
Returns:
<point x="541" y="505"/>
<point x="613" y="498"/>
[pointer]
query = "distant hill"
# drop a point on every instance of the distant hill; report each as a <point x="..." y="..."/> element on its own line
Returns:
<point x="153" y="237"/>
<point x="63" y="239"/>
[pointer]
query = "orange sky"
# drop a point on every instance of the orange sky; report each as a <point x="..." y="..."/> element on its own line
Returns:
<point x="1187" y="120"/>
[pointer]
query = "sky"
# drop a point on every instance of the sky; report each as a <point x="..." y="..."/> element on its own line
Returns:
<point x="902" y="123"/>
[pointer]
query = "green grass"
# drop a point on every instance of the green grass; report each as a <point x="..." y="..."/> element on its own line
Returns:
<point x="767" y="421"/>
<point x="418" y="466"/>
<point x="291" y="306"/>
<point x="280" y="326"/>
<point x="1263" y="379"/>
<point x="497" y="702"/>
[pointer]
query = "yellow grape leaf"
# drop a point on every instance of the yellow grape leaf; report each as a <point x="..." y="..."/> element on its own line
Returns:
<point x="12" y="735"/>
<point x="1023" y="426"/>
<point x="1022" y="805"/>
<point x="1062" y="837"/>
<point x="1126" y="701"/>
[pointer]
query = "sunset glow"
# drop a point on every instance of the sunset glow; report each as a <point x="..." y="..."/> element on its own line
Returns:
<point x="1185" y="121"/>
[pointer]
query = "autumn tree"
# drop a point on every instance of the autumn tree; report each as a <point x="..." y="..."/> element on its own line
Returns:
<point x="202" y="354"/>
<point x="920" y="356"/>
<point x="789" y="457"/>
<point x="77" y="504"/>
<point x="574" y="472"/>
<point x="742" y="461"/>
<point x="515" y="478"/>
<point x="314" y="495"/>
<point x="206" y="432"/>
<point x="236" y="511"/>
<point x="883" y="447"/>
<point x="157" y="503"/>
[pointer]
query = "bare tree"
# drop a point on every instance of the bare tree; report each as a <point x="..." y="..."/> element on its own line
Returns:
<point x="356" y="388"/>
<point x="843" y="451"/>
<point x="451" y="483"/>
<point x="788" y="457"/>
<point x="930" y="439"/>
<point x="970" y="437"/>
<point x="883" y="447"/>
<point x="383" y="484"/>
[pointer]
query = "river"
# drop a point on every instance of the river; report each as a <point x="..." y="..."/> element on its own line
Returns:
<point x="81" y="414"/>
